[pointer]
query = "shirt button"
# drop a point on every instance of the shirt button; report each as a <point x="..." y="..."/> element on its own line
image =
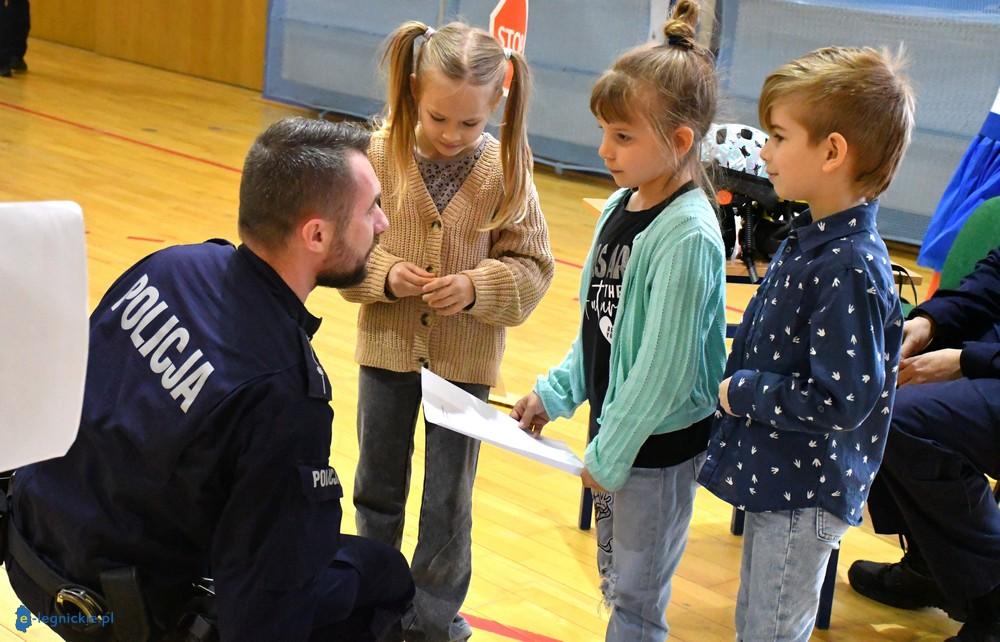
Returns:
<point x="425" y="319"/>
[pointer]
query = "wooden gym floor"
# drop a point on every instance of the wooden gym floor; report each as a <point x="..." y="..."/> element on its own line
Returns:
<point x="153" y="157"/>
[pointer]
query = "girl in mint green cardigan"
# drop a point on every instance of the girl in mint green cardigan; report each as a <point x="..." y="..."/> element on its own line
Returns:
<point x="650" y="352"/>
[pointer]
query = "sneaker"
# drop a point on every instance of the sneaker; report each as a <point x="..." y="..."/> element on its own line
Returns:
<point x="904" y="585"/>
<point x="18" y="65"/>
<point x="5" y="71"/>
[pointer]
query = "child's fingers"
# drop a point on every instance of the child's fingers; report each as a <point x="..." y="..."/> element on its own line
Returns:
<point x="454" y="308"/>
<point x="442" y="297"/>
<point x="434" y="285"/>
<point x="417" y="277"/>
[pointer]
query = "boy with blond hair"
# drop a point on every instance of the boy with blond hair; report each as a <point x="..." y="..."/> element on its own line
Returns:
<point x="808" y="390"/>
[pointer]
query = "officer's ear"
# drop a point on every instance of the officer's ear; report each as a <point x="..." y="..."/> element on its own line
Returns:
<point x="315" y="234"/>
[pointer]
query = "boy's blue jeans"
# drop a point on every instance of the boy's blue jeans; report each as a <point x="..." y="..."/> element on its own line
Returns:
<point x="641" y="533"/>
<point x="784" y="561"/>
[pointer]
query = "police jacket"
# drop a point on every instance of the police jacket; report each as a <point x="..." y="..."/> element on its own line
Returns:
<point x="203" y="446"/>
<point x="968" y="317"/>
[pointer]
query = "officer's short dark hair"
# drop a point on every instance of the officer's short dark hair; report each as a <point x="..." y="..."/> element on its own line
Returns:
<point x="296" y="165"/>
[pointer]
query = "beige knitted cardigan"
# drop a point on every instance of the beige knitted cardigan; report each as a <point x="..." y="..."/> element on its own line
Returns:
<point x="511" y="269"/>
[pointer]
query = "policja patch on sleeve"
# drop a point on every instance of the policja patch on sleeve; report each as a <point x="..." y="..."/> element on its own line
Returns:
<point x="320" y="483"/>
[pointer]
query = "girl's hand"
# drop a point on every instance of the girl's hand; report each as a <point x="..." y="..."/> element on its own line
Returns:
<point x="449" y="294"/>
<point x="406" y="279"/>
<point x="590" y="482"/>
<point x="530" y="414"/>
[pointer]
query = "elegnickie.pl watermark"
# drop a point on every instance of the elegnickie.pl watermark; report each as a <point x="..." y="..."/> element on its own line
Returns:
<point x="25" y="618"/>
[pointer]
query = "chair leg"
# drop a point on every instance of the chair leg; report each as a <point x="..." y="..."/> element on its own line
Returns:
<point x="826" y="593"/>
<point x="736" y="523"/>
<point x="586" y="509"/>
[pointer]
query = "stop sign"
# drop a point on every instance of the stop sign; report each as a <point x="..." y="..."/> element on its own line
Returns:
<point x="509" y="25"/>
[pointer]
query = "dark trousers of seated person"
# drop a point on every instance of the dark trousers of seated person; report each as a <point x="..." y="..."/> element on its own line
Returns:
<point x="944" y="439"/>
<point x="15" y="23"/>
<point x="361" y="597"/>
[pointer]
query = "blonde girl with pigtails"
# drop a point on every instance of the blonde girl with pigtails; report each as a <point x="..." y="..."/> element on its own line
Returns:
<point x="466" y="255"/>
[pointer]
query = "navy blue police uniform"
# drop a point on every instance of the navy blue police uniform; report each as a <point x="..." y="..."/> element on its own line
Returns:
<point x="203" y="450"/>
<point x="944" y="437"/>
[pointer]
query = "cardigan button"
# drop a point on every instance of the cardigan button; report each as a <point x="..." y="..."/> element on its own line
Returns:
<point x="430" y="268"/>
<point x="424" y="362"/>
<point x="436" y="225"/>
<point x="425" y="319"/>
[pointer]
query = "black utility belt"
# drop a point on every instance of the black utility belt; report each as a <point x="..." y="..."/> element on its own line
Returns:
<point x="117" y="613"/>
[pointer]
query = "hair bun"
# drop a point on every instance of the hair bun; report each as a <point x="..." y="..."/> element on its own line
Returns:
<point x="680" y="28"/>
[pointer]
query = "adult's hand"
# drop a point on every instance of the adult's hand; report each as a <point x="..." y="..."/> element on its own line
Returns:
<point x="932" y="367"/>
<point x="917" y="335"/>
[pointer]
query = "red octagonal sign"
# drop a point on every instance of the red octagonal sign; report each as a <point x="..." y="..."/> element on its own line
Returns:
<point x="509" y="25"/>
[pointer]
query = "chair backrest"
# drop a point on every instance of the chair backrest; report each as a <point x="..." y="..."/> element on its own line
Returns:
<point x="43" y="329"/>
<point x="979" y="234"/>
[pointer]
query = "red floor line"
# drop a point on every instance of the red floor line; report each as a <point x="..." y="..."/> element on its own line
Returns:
<point x="569" y="263"/>
<point x="143" y="238"/>
<point x="507" y="631"/>
<point x="173" y="152"/>
<point x="127" y="139"/>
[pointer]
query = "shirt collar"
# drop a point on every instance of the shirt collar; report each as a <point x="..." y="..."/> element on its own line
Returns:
<point x="810" y="235"/>
<point x="291" y="303"/>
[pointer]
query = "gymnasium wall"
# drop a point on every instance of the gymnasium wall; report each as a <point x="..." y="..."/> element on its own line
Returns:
<point x="216" y="39"/>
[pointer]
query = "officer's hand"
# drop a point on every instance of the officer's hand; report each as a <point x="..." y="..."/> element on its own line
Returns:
<point x="530" y="414"/>
<point x="450" y="294"/>
<point x="917" y="334"/>
<point x="406" y="279"/>
<point x="940" y="365"/>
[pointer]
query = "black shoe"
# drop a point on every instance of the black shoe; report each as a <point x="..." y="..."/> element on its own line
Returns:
<point x="904" y="585"/>
<point x="978" y="630"/>
<point x="5" y="71"/>
<point x="18" y="65"/>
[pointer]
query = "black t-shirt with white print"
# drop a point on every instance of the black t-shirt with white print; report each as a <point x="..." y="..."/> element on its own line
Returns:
<point x="614" y="247"/>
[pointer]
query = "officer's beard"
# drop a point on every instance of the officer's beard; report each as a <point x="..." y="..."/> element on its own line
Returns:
<point x="333" y="279"/>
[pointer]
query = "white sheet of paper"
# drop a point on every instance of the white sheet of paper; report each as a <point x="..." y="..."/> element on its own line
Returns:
<point x="43" y="329"/>
<point x="448" y="405"/>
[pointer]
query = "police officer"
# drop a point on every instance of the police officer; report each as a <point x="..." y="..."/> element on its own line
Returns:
<point x="204" y="443"/>
<point x="945" y="436"/>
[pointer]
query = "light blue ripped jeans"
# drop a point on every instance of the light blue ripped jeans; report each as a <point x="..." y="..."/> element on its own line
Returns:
<point x="784" y="563"/>
<point x="641" y="533"/>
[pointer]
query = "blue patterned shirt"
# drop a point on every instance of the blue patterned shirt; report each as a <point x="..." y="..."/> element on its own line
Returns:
<point x="813" y="370"/>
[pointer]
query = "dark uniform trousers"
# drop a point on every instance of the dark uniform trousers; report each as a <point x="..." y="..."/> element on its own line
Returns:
<point x="944" y="438"/>
<point x="15" y="22"/>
